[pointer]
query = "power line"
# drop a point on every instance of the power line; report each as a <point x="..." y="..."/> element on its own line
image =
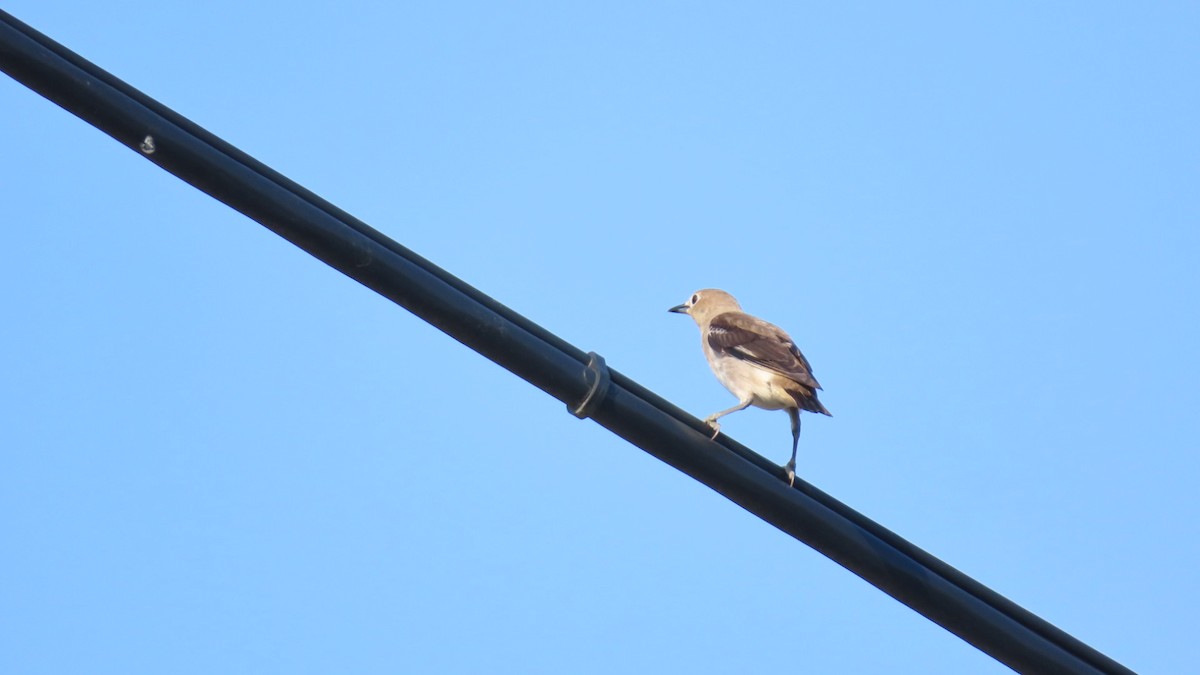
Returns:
<point x="982" y="617"/>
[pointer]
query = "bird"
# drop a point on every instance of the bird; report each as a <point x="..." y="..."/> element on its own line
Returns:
<point x="755" y="360"/>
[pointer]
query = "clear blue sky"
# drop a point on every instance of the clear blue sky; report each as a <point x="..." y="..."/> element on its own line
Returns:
<point x="981" y="223"/>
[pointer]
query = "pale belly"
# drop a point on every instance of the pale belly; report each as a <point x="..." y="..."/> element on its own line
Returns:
<point x="761" y="387"/>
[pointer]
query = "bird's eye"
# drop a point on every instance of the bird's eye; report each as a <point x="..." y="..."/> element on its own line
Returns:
<point x="695" y="298"/>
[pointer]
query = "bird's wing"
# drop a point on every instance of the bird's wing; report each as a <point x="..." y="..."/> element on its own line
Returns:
<point x="763" y="344"/>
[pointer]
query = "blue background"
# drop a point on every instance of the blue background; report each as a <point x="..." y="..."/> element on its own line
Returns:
<point x="978" y="221"/>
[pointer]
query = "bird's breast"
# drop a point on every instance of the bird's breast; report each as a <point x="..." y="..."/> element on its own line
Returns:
<point x="763" y="388"/>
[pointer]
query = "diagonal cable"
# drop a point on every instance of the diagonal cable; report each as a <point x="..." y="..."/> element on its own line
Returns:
<point x="982" y="617"/>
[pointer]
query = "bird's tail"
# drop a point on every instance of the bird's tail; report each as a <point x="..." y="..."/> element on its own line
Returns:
<point x="806" y="399"/>
<point x="818" y="407"/>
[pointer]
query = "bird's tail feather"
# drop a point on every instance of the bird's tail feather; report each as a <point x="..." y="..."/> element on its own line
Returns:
<point x="806" y="399"/>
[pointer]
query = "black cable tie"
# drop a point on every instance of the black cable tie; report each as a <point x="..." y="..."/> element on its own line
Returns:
<point x="598" y="378"/>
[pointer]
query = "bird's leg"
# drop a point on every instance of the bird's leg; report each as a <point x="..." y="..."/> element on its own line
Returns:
<point x="711" y="420"/>
<point x="790" y="468"/>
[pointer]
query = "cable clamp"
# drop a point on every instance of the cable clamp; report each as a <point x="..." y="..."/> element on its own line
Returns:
<point x="597" y="377"/>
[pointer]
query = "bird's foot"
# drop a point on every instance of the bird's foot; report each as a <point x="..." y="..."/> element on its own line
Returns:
<point x="790" y="469"/>
<point x="712" y="422"/>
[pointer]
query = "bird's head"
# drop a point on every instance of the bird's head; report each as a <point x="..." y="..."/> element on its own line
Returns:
<point x="705" y="304"/>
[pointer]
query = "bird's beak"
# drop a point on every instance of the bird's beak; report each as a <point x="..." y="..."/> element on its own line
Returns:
<point x="679" y="309"/>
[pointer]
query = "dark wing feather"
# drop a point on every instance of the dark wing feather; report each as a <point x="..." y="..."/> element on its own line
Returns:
<point x="761" y="343"/>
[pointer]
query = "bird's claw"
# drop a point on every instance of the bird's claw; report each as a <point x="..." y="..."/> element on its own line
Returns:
<point x="715" y="427"/>
<point x="790" y="469"/>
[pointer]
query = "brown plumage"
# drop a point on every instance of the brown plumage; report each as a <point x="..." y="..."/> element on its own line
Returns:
<point x="766" y="345"/>
<point x="755" y="360"/>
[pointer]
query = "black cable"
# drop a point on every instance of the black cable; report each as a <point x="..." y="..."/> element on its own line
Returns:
<point x="948" y="597"/>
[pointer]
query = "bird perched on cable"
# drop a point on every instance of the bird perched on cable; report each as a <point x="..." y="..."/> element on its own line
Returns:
<point x="755" y="360"/>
